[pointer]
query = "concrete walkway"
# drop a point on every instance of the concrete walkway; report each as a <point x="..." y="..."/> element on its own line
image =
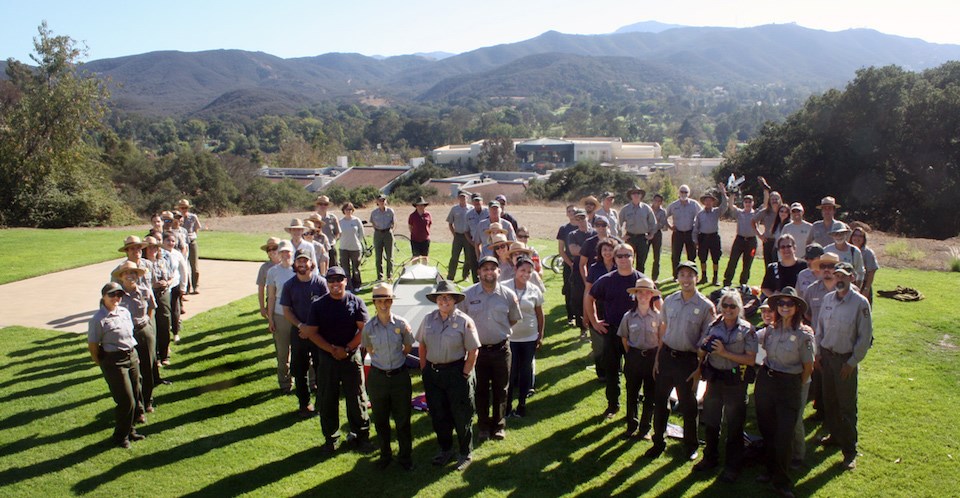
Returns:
<point x="66" y="300"/>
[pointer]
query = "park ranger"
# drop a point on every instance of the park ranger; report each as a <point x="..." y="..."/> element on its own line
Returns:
<point x="138" y="299"/>
<point x="686" y="317"/>
<point x="388" y="340"/>
<point x="639" y="225"/>
<point x="448" y="353"/>
<point x="383" y="220"/>
<point x="683" y="211"/>
<point x="495" y="309"/>
<point x="460" y="229"/>
<point x="844" y="333"/>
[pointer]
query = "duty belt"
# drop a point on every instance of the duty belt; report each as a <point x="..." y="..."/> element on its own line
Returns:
<point x="775" y="374"/>
<point x="441" y="366"/>
<point x="679" y="354"/>
<point x="498" y="345"/>
<point x="390" y="373"/>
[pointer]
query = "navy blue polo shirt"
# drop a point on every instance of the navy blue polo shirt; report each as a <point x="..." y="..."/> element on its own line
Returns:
<point x="300" y="295"/>
<point x="336" y="319"/>
<point x="611" y="289"/>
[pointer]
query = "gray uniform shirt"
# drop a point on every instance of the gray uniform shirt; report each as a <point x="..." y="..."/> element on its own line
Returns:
<point x="479" y="235"/>
<point x="766" y="217"/>
<point x="448" y="340"/>
<point x="491" y="312"/>
<point x="820" y="233"/>
<point x="383" y="219"/>
<point x="813" y="295"/>
<point x="805" y="279"/>
<point x="112" y="330"/>
<point x="661" y="215"/>
<point x="788" y="349"/>
<point x="687" y="321"/>
<point x="745" y="223"/>
<point x="385" y="342"/>
<point x="458" y="217"/>
<point x="614" y="218"/>
<point x="331" y="227"/>
<point x="683" y="214"/>
<point x="139" y="303"/>
<point x="799" y="231"/>
<point x="845" y="325"/>
<point x="473" y="221"/>
<point x="191" y="223"/>
<point x="709" y="221"/>
<point x="640" y="330"/>
<point x="740" y="339"/>
<point x="851" y="254"/>
<point x="638" y="219"/>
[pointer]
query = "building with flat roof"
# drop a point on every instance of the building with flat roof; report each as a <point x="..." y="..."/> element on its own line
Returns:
<point x="543" y="154"/>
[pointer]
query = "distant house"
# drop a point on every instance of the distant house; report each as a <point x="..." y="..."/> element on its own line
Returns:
<point x="312" y="179"/>
<point x="489" y="184"/>
<point x="542" y="154"/>
<point x="380" y="177"/>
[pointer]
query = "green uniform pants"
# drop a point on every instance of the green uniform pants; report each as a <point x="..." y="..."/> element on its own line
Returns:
<point x="346" y="374"/>
<point x="383" y="243"/>
<point x="390" y="394"/>
<point x="147" y="351"/>
<point x="121" y="370"/>
<point x="450" y="400"/>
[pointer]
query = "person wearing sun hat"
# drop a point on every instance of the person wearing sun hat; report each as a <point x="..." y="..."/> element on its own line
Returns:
<point x="273" y="257"/>
<point x="388" y="340"/>
<point x="639" y="334"/>
<point x="495" y="224"/>
<point x="847" y="252"/>
<point x="789" y="346"/>
<point x="138" y="299"/>
<point x="820" y="231"/>
<point x="113" y="348"/>
<point x="330" y="226"/>
<point x="419" y="223"/>
<point x="706" y="230"/>
<point x="191" y="223"/>
<point x="844" y="334"/>
<point x="133" y="248"/>
<point x="639" y="226"/>
<point x="296" y="229"/>
<point x="609" y="212"/>
<point x="449" y="345"/>
<point x="683" y="211"/>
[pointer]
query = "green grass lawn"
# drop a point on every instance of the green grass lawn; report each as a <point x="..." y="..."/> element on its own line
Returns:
<point x="222" y="429"/>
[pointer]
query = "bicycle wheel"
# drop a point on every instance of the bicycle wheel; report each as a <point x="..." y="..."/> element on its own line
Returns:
<point x="401" y="250"/>
<point x="555" y="263"/>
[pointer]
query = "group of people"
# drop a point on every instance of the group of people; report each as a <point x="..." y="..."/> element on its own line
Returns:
<point x="140" y="312"/>
<point x="476" y="350"/>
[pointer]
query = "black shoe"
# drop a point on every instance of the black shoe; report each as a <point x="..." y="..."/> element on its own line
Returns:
<point x="521" y="411"/>
<point x="729" y="475"/>
<point x="655" y="451"/>
<point x="123" y="443"/>
<point x="330" y="447"/>
<point x="705" y="464"/>
<point x="363" y="445"/>
<point x="165" y="382"/>
<point x="442" y="458"/>
<point x="693" y="455"/>
<point x="136" y="436"/>
<point x="850" y="462"/>
<point x="463" y="462"/>
<point x="629" y="434"/>
<point x="611" y="412"/>
<point x="383" y="463"/>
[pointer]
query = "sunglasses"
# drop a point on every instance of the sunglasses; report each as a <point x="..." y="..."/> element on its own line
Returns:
<point x="786" y="304"/>
<point x="523" y="236"/>
<point x="309" y="234"/>
<point x="624" y="256"/>
<point x="600" y="225"/>
<point x="335" y="280"/>
<point x="168" y="221"/>
<point x="729" y="306"/>
<point x="115" y="294"/>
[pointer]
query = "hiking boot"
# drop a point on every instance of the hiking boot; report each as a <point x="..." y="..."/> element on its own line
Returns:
<point x="442" y="458"/>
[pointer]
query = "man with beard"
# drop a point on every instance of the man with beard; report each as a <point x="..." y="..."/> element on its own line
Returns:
<point x="844" y="333"/>
<point x="334" y="325"/>
<point x="298" y="294"/>
<point x="495" y="309"/>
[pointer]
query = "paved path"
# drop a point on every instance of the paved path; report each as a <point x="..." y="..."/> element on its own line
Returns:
<point x="66" y="300"/>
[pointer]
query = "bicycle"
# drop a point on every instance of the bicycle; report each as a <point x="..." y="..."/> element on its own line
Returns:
<point x="554" y="263"/>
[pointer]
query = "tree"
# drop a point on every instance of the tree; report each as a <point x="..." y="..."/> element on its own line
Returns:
<point x="497" y="154"/>
<point x="50" y="172"/>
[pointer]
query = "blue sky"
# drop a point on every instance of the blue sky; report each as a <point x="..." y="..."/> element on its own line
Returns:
<point x="303" y="28"/>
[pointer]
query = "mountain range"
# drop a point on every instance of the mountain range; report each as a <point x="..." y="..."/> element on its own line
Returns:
<point x="641" y="57"/>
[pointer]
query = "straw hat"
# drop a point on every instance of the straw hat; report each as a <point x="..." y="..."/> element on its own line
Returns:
<point x="839" y="228"/>
<point x="131" y="241"/>
<point x="590" y="200"/>
<point x="497" y="239"/>
<point x="382" y="290"/>
<point x="828" y="258"/>
<point x="183" y="203"/>
<point x="322" y="200"/>
<point x="308" y="225"/>
<point x="828" y="201"/>
<point x="421" y="202"/>
<point x="519" y="248"/>
<point x="295" y="224"/>
<point x="446" y="287"/>
<point x="644" y="284"/>
<point x="495" y="228"/>
<point x="636" y="189"/>
<point x="273" y="242"/>
<point x="151" y="241"/>
<point x="166" y="215"/>
<point x="128" y="266"/>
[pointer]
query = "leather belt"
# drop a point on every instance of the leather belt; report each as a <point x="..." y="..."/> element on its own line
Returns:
<point x="498" y="345"/>
<point x="442" y="366"/>
<point x="678" y="354"/>
<point x="774" y="374"/>
<point x="390" y="373"/>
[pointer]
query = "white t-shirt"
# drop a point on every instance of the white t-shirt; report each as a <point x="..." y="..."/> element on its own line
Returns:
<point x="277" y="276"/>
<point x="526" y="329"/>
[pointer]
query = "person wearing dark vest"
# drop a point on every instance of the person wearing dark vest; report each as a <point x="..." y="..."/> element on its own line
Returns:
<point x="113" y="349"/>
<point x="687" y="316"/>
<point x="388" y="341"/>
<point x="334" y="325"/>
<point x="448" y="354"/>
<point x="611" y="290"/>
<point x="731" y="349"/>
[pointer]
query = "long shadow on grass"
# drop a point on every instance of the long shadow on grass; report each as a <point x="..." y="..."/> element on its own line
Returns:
<point x="33" y="442"/>
<point x="220" y="385"/>
<point x="186" y="451"/>
<point x="50" y="388"/>
<point x="253" y="479"/>
<point x="48" y="371"/>
<point x="196" y="347"/>
<point x="56" y="464"/>
<point x="186" y="361"/>
<point x="23" y="418"/>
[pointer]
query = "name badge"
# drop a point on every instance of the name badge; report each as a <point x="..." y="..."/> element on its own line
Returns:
<point x="455" y="326"/>
<point x="475" y="302"/>
<point x="793" y="338"/>
<point x="696" y="311"/>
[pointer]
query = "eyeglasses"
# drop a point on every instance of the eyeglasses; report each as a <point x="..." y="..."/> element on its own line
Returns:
<point x="828" y="267"/>
<point x="335" y="280"/>
<point x="272" y="249"/>
<point x="786" y="303"/>
<point x="729" y="306"/>
<point x="309" y="234"/>
<point x="786" y="247"/>
<point x="115" y="293"/>
<point x="604" y="225"/>
<point x="624" y="256"/>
